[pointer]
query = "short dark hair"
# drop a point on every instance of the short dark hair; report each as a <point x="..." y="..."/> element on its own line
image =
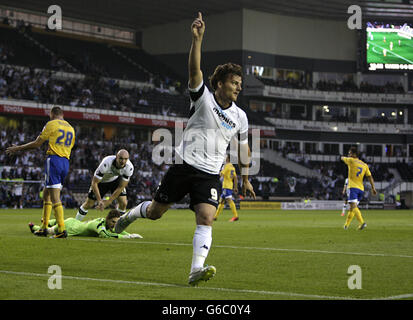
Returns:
<point x="113" y="214"/>
<point x="57" y="111"/>
<point x="222" y="72"/>
<point x="354" y="151"/>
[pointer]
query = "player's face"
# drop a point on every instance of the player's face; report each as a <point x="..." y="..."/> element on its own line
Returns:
<point x="121" y="161"/>
<point x="110" y="223"/>
<point x="232" y="87"/>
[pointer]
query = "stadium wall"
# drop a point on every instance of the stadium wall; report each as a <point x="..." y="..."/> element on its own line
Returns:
<point x="298" y="37"/>
<point x="223" y="33"/>
<point x="252" y="37"/>
<point x="342" y="137"/>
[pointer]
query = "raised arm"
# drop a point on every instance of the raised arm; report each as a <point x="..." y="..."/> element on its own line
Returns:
<point x="194" y="61"/>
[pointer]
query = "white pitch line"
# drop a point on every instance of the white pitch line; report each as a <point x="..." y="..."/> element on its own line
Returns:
<point x="401" y="296"/>
<point x="263" y="292"/>
<point x="255" y="248"/>
<point x="389" y="51"/>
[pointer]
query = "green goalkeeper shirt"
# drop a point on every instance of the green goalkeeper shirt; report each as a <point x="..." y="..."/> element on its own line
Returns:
<point x="93" y="228"/>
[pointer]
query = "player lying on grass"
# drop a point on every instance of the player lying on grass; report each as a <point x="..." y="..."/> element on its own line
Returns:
<point x="99" y="227"/>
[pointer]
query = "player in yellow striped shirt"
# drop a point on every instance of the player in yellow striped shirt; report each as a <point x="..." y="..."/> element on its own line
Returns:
<point x="357" y="169"/>
<point x="61" y="137"/>
<point x="229" y="185"/>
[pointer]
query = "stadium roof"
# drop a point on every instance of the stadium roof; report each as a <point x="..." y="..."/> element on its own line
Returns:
<point x="139" y="14"/>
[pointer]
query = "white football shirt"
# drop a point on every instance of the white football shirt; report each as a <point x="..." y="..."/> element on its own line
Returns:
<point x="107" y="171"/>
<point x="209" y="131"/>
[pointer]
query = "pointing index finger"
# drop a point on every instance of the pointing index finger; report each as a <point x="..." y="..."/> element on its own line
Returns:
<point x="200" y="16"/>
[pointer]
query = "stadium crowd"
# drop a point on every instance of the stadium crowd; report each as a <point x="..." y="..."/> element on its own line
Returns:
<point x="89" y="150"/>
<point x="350" y="86"/>
<point x="333" y="85"/>
<point x="91" y="147"/>
<point x="25" y="83"/>
<point x="42" y="87"/>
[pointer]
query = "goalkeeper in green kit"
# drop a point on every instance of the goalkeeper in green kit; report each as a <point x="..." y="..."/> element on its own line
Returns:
<point x="100" y="227"/>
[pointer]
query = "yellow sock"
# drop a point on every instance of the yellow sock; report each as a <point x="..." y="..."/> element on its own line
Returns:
<point x="47" y="210"/>
<point x="233" y="208"/>
<point x="219" y="210"/>
<point x="358" y="215"/>
<point x="350" y="216"/>
<point x="58" y="213"/>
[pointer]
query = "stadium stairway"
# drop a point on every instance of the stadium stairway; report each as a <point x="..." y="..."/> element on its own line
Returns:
<point x="398" y="187"/>
<point x="25" y="53"/>
<point x="123" y="56"/>
<point x="276" y="158"/>
<point x="46" y="50"/>
<point x="405" y="172"/>
<point x="396" y="174"/>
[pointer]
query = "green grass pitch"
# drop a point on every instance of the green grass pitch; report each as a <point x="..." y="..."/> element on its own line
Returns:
<point x="266" y="255"/>
<point x="402" y="54"/>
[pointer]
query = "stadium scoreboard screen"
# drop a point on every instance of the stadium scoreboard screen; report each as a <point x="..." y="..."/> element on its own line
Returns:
<point x="389" y="46"/>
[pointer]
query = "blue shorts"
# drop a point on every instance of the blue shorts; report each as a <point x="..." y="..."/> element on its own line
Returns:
<point x="226" y="193"/>
<point x="56" y="169"/>
<point x="355" y="195"/>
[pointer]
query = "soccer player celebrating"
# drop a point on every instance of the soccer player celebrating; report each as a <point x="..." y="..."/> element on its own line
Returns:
<point x="112" y="175"/>
<point x="100" y="227"/>
<point x="357" y="169"/>
<point x="61" y="137"/>
<point x="214" y="120"/>
<point x="229" y="184"/>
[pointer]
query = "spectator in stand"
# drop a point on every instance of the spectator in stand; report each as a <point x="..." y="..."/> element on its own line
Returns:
<point x="40" y="86"/>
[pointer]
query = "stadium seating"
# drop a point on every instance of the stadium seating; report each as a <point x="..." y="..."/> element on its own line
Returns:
<point x="100" y="89"/>
<point x="25" y="53"/>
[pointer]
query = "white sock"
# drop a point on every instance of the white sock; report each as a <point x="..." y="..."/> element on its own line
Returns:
<point x="139" y="211"/>
<point x="81" y="214"/>
<point x="201" y="245"/>
<point x="344" y="208"/>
